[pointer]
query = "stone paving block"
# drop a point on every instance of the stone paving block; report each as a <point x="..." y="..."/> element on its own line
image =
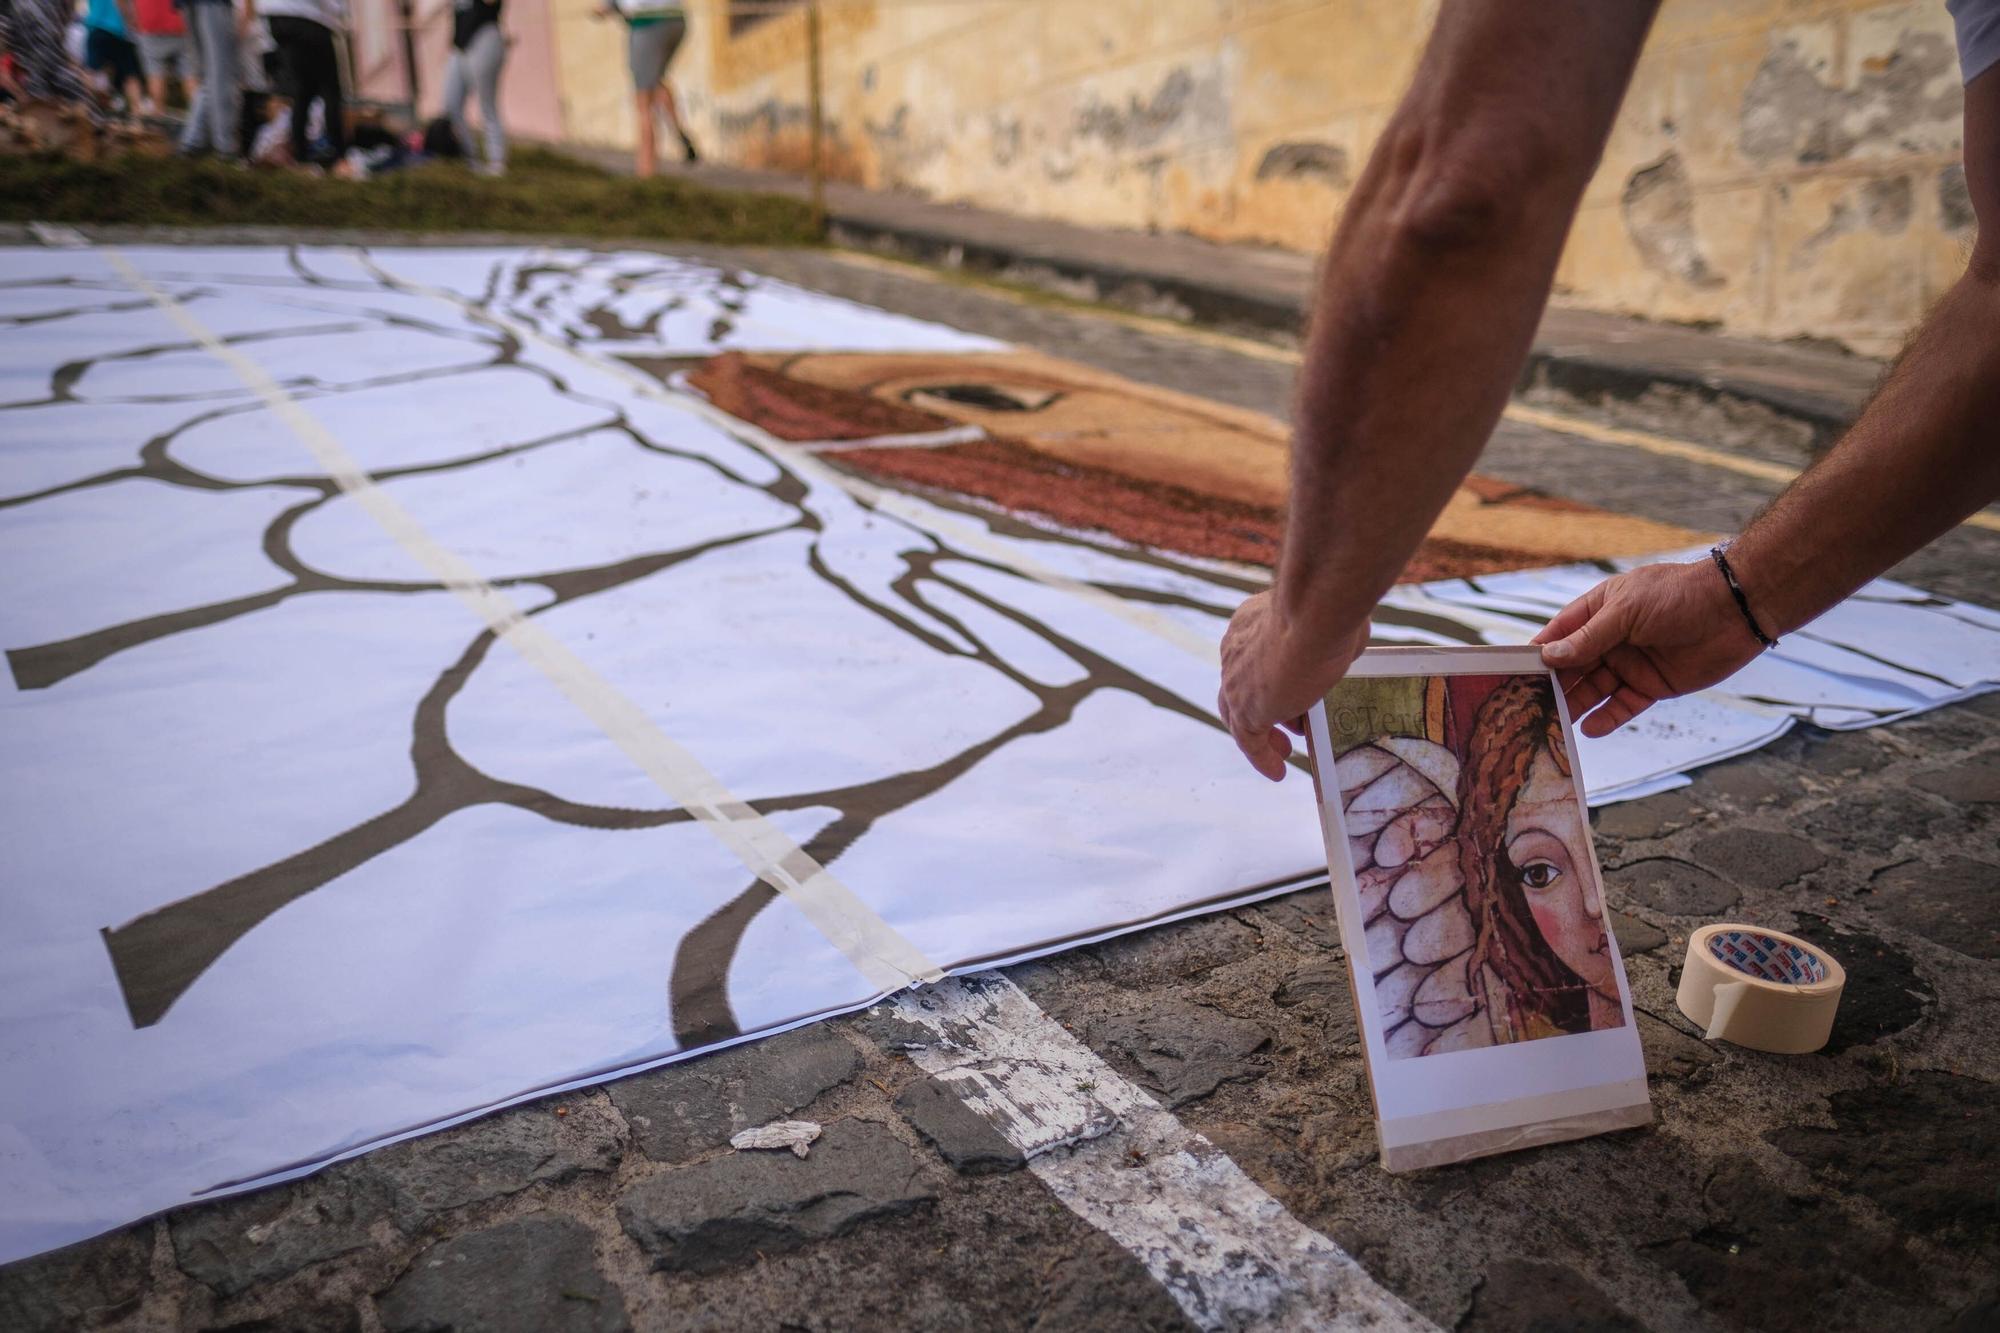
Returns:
<point x="1974" y="781"/>
<point x="722" y="1212"/>
<point x="960" y="1134"/>
<point x="1953" y="728"/>
<point x="1307" y="915"/>
<point x="1183" y="1051"/>
<point x="1926" y="1150"/>
<point x="528" y="1276"/>
<point x="1323" y="991"/>
<point x="1180" y="950"/>
<point x="491" y="1158"/>
<point x="1527" y="1296"/>
<point x="80" y="1286"/>
<point x="1749" y="782"/>
<point x="1885" y="993"/>
<point x="328" y="1318"/>
<point x="1874" y="823"/>
<point x="1955" y="903"/>
<point x="1755" y="858"/>
<point x="687" y="1108"/>
<point x="1652" y="817"/>
<point x="1671" y="1053"/>
<point x="1635" y="936"/>
<point x="1842" y="754"/>
<point x="1665" y="884"/>
<point x="1757" y="1263"/>
<point x="235" y="1244"/>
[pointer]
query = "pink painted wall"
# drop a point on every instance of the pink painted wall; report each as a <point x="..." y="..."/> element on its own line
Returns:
<point x="529" y="104"/>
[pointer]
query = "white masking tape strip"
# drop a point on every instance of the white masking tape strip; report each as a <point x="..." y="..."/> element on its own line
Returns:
<point x="1760" y="988"/>
<point x="889" y="961"/>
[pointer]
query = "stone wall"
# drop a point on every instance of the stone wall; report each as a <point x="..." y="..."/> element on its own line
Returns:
<point x="1781" y="168"/>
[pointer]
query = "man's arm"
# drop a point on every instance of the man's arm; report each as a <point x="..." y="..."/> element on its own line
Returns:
<point x="1428" y="301"/>
<point x="1923" y="456"/>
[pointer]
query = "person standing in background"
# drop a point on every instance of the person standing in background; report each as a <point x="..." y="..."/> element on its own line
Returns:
<point x="654" y="30"/>
<point x="163" y="48"/>
<point x="256" y="53"/>
<point x="214" y="30"/>
<point x="478" y="49"/>
<point x="109" y="52"/>
<point x="309" y="68"/>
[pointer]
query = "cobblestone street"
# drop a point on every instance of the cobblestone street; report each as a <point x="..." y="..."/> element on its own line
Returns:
<point x="1850" y="1189"/>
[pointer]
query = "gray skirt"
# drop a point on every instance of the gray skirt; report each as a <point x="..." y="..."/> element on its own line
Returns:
<point x="649" y="49"/>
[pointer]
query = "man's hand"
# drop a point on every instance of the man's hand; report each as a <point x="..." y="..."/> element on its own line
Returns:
<point x="1269" y="680"/>
<point x="1643" y="636"/>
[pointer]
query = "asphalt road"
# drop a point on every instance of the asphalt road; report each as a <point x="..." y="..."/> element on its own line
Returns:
<point x="1850" y="1189"/>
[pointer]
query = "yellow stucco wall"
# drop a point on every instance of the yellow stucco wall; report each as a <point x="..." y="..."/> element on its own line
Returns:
<point x="1781" y="167"/>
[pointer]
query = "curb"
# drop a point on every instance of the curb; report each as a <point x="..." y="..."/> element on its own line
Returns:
<point x="1808" y="419"/>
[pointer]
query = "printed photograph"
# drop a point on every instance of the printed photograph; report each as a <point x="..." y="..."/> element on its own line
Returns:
<point x="1471" y="850"/>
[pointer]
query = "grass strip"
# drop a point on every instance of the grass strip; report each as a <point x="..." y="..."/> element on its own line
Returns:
<point x="543" y="192"/>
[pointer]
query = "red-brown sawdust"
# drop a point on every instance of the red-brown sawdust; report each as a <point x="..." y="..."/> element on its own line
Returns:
<point x="798" y="410"/>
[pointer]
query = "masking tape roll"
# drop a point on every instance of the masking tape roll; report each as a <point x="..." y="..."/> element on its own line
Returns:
<point x="1760" y="988"/>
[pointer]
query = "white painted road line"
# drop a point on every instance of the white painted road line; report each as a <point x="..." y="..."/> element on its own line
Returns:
<point x="885" y="957"/>
<point x="1230" y="1255"/>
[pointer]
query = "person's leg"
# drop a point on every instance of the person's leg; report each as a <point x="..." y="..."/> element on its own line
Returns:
<point x="127" y="62"/>
<point x="457" y="86"/>
<point x="292" y="82"/>
<point x="673" y="110"/>
<point x="326" y="70"/>
<point x="195" y="134"/>
<point x="487" y="54"/>
<point x="646" y="52"/>
<point x="156" y="55"/>
<point x="674" y="32"/>
<point x="97" y="59"/>
<point x="254" y="110"/>
<point x="220" y="80"/>
<point x="646" y="162"/>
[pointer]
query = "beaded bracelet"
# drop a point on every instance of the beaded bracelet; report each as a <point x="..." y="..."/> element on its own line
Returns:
<point x="1742" y="602"/>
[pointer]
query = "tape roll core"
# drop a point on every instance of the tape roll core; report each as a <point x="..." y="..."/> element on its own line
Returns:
<point x="1760" y="988"/>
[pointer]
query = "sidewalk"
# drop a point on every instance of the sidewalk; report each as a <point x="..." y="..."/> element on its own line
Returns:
<point x="1628" y="366"/>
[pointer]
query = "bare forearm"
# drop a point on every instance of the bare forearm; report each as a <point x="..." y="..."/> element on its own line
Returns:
<point x="1923" y="456"/>
<point x="1410" y="363"/>
<point x="1434" y="285"/>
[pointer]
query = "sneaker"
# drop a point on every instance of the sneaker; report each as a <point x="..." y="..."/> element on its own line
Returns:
<point x="687" y="146"/>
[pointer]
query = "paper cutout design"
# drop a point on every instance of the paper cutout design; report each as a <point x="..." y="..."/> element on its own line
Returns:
<point x="303" y="862"/>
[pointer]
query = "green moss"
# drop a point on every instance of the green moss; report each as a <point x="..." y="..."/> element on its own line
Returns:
<point x="543" y="192"/>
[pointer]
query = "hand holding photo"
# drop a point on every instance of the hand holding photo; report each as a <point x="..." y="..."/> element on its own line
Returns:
<point x="1492" y="1000"/>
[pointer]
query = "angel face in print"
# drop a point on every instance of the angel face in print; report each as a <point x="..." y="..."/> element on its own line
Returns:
<point x="1484" y="916"/>
<point x="1541" y="957"/>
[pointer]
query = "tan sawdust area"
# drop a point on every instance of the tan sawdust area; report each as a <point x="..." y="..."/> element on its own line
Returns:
<point x="1095" y="450"/>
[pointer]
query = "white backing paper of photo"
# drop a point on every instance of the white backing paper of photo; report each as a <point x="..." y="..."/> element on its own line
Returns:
<point x="1448" y="1105"/>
